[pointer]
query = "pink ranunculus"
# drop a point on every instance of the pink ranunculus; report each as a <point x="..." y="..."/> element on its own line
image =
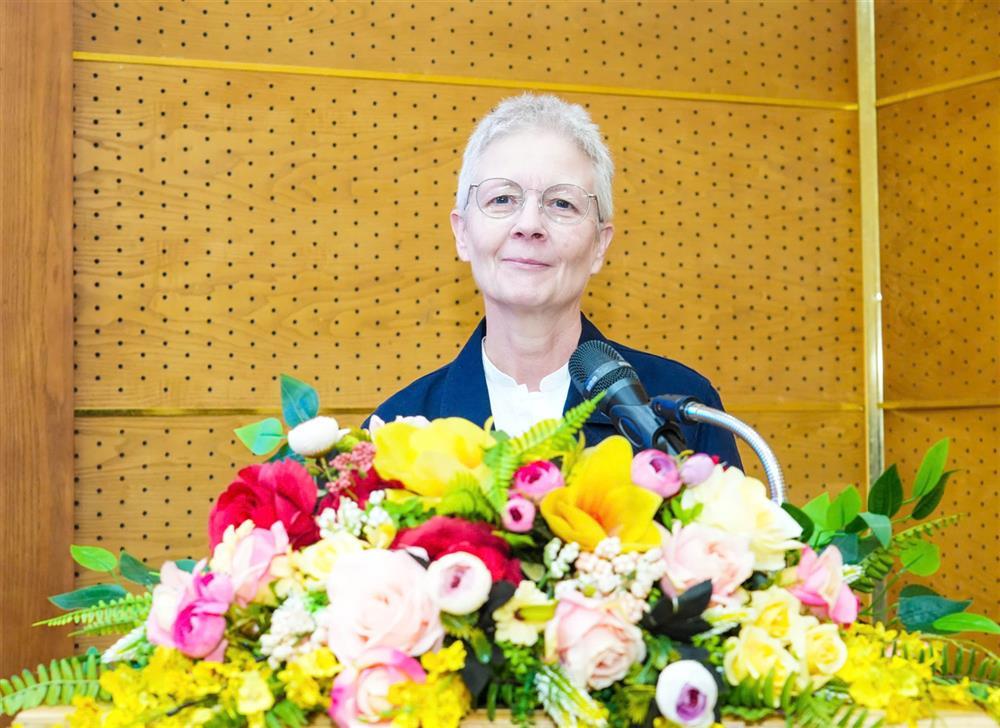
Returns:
<point x="518" y="515"/>
<point x="460" y="582"/>
<point x="535" y="480"/>
<point x="694" y="553"/>
<point x="592" y="640"/>
<point x="249" y="567"/>
<point x="381" y="598"/>
<point x="656" y="471"/>
<point x="189" y="611"/>
<point x="697" y="469"/>
<point x="821" y="586"/>
<point x="359" y="698"/>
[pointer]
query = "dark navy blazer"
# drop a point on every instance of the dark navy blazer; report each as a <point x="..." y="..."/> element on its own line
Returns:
<point x="459" y="389"/>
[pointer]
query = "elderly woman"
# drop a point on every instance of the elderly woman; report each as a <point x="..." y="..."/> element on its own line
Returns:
<point x="533" y="220"/>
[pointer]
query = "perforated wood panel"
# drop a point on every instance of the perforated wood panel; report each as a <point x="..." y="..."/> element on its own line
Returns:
<point x="921" y="44"/>
<point x="231" y="226"/>
<point x="940" y="181"/>
<point x="784" y="49"/>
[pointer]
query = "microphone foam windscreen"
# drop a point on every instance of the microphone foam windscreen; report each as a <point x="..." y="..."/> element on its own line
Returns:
<point x="597" y="357"/>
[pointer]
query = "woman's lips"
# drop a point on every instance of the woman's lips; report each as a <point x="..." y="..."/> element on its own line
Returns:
<point x="529" y="263"/>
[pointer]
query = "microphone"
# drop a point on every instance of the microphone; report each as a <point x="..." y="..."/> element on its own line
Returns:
<point x="597" y="367"/>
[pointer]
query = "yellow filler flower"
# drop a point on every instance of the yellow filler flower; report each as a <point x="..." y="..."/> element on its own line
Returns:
<point x="427" y="459"/>
<point x="602" y="501"/>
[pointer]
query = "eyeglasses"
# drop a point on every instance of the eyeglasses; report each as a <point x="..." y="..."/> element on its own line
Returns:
<point x="566" y="204"/>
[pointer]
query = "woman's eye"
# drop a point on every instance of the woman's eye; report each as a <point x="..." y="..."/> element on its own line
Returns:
<point x="502" y="200"/>
<point x="561" y="204"/>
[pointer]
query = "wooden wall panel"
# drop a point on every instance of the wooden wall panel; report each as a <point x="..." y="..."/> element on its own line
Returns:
<point x="923" y="44"/>
<point x="231" y="227"/>
<point x="36" y="403"/>
<point x="781" y="49"/>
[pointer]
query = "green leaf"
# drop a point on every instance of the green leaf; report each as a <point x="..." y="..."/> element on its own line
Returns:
<point x="926" y="505"/>
<point x="917" y="590"/>
<point x="931" y="469"/>
<point x="845" y="508"/>
<point x="922" y="558"/>
<point x="921" y="612"/>
<point x="880" y="525"/>
<point x="261" y="437"/>
<point x="94" y="558"/>
<point x="818" y="510"/>
<point x="966" y="622"/>
<point x="186" y="564"/>
<point x="136" y="571"/>
<point x="801" y="518"/>
<point x="847" y="544"/>
<point x="285" y="453"/>
<point x="88" y="596"/>
<point x="886" y="494"/>
<point x="299" y="401"/>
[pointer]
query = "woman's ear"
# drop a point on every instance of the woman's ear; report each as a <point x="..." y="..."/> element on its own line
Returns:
<point x="458" y="229"/>
<point x="604" y="234"/>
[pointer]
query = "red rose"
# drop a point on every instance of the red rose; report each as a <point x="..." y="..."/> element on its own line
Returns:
<point x="442" y="535"/>
<point x="362" y="487"/>
<point x="266" y="493"/>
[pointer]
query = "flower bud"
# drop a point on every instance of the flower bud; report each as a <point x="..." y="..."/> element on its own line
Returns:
<point x="518" y="515"/>
<point x="315" y="437"/>
<point x="686" y="693"/>
<point x="656" y="471"/>
<point x="697" y="468"/>
<point x="535" y="480"/>
<point x="460" y="582"/>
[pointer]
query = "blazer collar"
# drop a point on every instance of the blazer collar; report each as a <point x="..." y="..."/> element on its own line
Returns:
<point x="465" y="394"/>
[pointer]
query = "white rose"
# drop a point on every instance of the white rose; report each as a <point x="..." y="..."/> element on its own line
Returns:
<point x="315" y="437"/>
<point x="735" y="503"/>
<point x="460" y="582"/>
<point x="686" y="694"/>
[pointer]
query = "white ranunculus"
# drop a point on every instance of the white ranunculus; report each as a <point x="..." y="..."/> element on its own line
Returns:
<point x="315" y="437"/>
<point x="735" y="503"/>
<point x="460" y="582"/>
<point x="686" y="694"/>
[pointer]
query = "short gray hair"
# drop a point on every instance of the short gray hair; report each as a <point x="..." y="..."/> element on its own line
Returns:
<point x="528" y="111"/>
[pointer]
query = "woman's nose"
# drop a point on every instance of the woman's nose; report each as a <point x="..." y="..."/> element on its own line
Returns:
<point x="529" y="220"/>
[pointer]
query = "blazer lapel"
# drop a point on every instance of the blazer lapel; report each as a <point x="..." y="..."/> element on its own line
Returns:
<point x="464" y="393"/>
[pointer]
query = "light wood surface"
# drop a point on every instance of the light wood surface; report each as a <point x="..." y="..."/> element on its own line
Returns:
<point x="36" y="319"/>
<point x="52" y="717"/>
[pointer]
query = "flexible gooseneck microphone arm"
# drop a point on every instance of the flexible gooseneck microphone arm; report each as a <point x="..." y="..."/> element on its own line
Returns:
<point x="681" y="409"/>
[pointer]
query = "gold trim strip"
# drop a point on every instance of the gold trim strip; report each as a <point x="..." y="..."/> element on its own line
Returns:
<point x="91" y="412"/>
<point x="938" y="88"/>
<point x="940" y="404"/>
<point x="573" y="88"/>
<point x="871" y="284"/>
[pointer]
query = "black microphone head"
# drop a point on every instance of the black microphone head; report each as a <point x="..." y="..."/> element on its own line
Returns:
<point x="596" y="365"/>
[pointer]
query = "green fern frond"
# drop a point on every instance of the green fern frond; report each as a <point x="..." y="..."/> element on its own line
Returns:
<point x="968" y="660"/>
<point x="464" y="497"/>
<point x="754" y="699"/>
<point x="120" y="616"/>
<point x="55" y="684"/>
<point x="880" y="562"/>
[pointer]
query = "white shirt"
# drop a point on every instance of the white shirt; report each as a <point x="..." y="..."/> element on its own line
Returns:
<point x="514" y="408"/>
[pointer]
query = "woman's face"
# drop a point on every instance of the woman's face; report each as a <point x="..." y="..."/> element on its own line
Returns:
<point x="526" y="260"/>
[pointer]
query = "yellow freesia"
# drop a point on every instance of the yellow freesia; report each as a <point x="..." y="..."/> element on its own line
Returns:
<point x="603" y="501"/>
<point x="427" y="459"/>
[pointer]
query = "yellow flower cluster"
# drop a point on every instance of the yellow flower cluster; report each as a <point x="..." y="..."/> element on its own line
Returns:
<point x="442" y="700"/>
<point x="776" y="636"/>
<point x="153" y="694"/>
<point x="308" y="679"/>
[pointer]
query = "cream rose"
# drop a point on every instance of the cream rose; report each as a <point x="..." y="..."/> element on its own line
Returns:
<point x="694" y="553"/>
<point x="380" y="598"/>
<point x="779" y="614"/>
<point x="825" y="652"/>
<point x="592" y="641"/>
<point x="753" y="655"/>
<point x="734" y="503"/>
<point x="315" y="562"/>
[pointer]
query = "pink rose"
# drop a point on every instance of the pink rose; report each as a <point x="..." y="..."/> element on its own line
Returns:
<point x="188" y="611"/>
<point x="381" y="598"/>
<point x="359" y="698"/>
<point x="697" y="469"/>
<point x="656" y="471"/>
<point x="248" y="558"/>
<point x="535" y="480"/>
<point x="694" y="553"/>
<point x="592" y="641"/>
<point x="821" y="586"/>
<point x="518" y="515"/>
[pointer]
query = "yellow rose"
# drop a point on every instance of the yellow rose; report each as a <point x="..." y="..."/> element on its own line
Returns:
<point x="753" y="655"/>
<point x="253" y="695"/>
<point x="315" y="561"/>
<point x="427" y="459"/>
<point x="825" y="652"/>
<point x="778" y="612"/>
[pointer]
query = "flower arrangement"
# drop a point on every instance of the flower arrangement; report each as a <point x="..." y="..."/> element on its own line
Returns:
<point x="412" y="573"/>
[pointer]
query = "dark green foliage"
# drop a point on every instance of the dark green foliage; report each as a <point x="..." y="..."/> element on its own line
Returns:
<point x="55" y="684"/>
<point x="877" y="565"/>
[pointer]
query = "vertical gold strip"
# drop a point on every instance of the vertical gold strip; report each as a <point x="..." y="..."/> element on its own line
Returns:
<point x="870" y="263"/>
